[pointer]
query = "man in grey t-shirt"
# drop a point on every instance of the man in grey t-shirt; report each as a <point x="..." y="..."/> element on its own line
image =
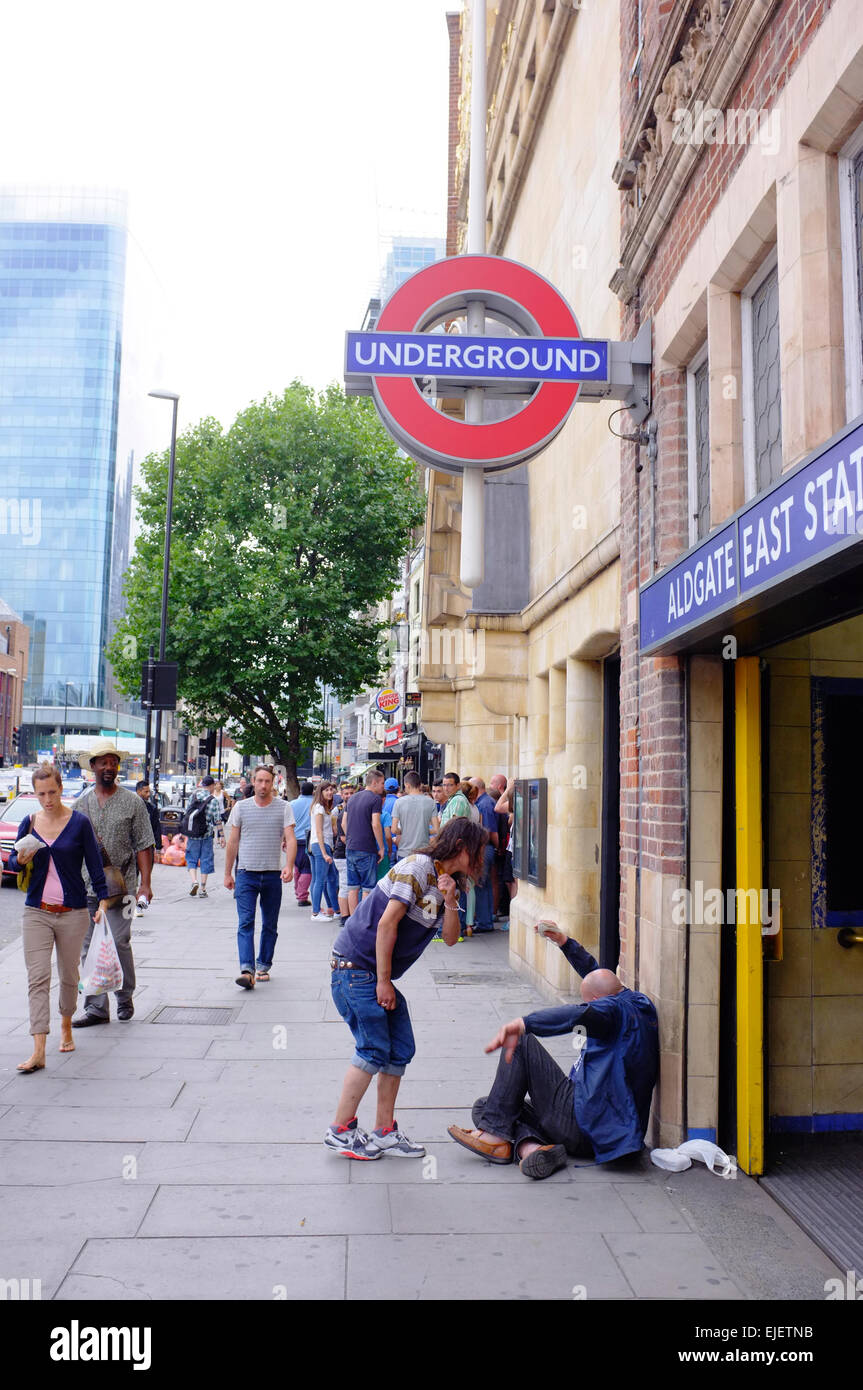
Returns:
<point x="414" y="818"/>
<point x="259" y="828"/>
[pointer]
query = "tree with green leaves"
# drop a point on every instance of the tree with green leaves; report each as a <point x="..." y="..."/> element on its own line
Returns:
<point x="288" y="529"/>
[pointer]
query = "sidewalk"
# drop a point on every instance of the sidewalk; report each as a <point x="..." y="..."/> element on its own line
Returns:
<point x="172" y="1160"/>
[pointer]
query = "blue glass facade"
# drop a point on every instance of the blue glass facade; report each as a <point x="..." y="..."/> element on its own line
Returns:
<point x="61" y="327"/>
<point x="408" y="255"/>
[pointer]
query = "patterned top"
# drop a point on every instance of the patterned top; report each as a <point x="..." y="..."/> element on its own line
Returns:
<point x="123" y="826"/>
<point x="457" y="805"/>
<point x="412" y="881"/>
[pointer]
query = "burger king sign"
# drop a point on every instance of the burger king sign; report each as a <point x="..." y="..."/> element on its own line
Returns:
<point x="388" y="701"/>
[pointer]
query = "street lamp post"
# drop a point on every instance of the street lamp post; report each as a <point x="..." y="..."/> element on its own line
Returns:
<point x="169" y="507"/>
<point x="66" y="714"/>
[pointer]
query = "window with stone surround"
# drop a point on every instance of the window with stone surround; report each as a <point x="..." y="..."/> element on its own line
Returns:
<point x="851" y="224"/>
<point x="762" y="408"/>
<point x="698" y="439"/>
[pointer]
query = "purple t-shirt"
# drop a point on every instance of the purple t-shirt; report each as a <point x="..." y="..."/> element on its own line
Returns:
<point x="360" y="835"/>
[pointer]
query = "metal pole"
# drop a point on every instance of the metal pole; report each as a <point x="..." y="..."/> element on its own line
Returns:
<point x="148" y="734"/>
<point x="221" y="731"/>
<point x="472" y="500"/>
<point x="169" y="507"/>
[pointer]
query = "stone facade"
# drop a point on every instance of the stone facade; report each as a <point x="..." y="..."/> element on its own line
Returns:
<point x="519" y="688"/>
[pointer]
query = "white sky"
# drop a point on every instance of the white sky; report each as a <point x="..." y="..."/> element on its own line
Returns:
<point x="267" y="149"/>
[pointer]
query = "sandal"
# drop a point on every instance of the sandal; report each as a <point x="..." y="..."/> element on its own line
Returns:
<point x="246" y="980"/>
<point x="262" y="975"/>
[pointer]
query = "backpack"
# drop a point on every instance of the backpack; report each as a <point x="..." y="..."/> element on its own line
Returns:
<point x="194" y="823"/>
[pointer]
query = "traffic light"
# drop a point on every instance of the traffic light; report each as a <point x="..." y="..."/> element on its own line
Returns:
<point x="208" y="745"/>
<point x="16" y="734"/>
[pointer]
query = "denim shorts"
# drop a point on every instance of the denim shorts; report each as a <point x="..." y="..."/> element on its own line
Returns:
<point x="383" y="1038"/>
<point x="200" y="852"/>
<point x="362" y="869"/>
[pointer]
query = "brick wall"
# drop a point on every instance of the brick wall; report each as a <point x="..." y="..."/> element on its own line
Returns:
<point x="784" y="40"/>
<point x="660" y="824"/>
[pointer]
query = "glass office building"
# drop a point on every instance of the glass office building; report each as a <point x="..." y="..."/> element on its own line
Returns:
<point x="62" y="280"/>
<point x="407" y="255"/>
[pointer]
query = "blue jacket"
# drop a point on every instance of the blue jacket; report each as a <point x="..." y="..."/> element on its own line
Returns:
<point x="76" y="844"/>
<point x="615" y="1073"/>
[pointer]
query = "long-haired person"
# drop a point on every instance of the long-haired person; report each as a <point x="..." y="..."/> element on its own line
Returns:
<point x="340" y="849"/>
<point x="55" y="911"/>
<point x="387" y="932"/>
<point x="325" y="875"/>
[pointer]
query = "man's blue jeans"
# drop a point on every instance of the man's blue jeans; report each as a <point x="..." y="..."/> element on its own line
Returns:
<point x="362" y="869"/>
<point x="250" y="886"/>
<point x="383" y="1038"/>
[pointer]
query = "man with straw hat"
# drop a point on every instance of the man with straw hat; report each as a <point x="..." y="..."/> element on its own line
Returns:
<point x="122" y="825"/>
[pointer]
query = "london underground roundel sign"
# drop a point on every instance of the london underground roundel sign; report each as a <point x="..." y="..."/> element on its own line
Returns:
<point x="547" y="354"/>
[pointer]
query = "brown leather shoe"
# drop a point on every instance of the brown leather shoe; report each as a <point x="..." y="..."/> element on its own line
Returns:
<point x="494" y="1153"/>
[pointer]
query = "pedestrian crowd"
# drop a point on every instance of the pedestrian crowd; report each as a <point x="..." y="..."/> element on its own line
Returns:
<point x="395" y="868"/>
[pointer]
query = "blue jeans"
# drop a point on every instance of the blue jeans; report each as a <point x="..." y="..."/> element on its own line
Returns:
<point x="362" y="869"/>
<point x="325" y="880"/>
<point x="485" y="893"/>
<point x="383" y="1038"/>
<point x="251" y="885"/>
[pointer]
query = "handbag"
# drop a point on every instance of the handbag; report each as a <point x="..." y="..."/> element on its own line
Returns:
<point x="114" y="877"/>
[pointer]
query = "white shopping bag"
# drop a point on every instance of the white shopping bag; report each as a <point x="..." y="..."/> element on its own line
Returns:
<point x="102" y="969"/>
<point x="679" y="1159"/>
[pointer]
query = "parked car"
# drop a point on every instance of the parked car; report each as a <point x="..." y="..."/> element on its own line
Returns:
<point x="11" y="817"/>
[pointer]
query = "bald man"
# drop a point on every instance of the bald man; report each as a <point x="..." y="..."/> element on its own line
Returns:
<point x="601" y="1109"/>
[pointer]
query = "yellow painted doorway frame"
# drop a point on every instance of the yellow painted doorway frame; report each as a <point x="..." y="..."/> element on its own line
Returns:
<point x="750" y="974"/>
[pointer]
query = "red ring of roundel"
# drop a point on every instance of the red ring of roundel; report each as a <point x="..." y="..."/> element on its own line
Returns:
<point x="521" y="433"/>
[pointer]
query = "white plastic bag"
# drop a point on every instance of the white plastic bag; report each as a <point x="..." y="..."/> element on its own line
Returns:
<point x="670" y="1160"/>
<point x="716" y="1159"/>
<point x="103" y="972"/>
<point x="677" y="1160"/>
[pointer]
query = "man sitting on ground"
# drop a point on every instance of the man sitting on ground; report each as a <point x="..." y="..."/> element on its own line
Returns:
<point x="601" y="1109"/>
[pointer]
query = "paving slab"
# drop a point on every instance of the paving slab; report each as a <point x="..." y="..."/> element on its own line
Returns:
<point x="671" y="1266"/>
<point x="228" y="1269"/>
<point x="248" y="1164"/>
<point x="255" y="1123"/>
<point x="40" y="1090"/>
<point x="110" y="1207"/>
<point x="286" y="1209"/>
<point x="39" y="1263"/>
<point x="58" y="1163"/>
<point x="95" y="1122"/>
<point x="118" y="1066"/>
<point x="433" y="1207"/>
<point x="467" y="1268"/>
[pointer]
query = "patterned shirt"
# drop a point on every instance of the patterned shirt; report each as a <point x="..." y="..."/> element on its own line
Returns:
<point x="412" y="881"/>
<point x="122" y="824"/>
<point x="457" y="805"/>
